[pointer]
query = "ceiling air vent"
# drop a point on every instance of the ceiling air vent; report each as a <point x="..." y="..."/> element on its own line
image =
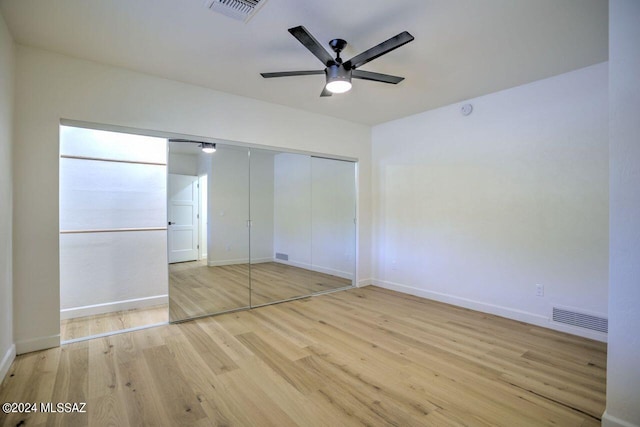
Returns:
<point x="572" y="317"/>
<point x="241" y="10"/>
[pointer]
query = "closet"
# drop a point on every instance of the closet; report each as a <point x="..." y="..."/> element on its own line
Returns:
<point x="238" y="227"/>
<point x="256" y="226"/>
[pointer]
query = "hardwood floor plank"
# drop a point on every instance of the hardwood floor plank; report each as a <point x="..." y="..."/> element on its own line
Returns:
<point x="251" y="404"/>
<point x="143" y="404"/>
<point x="34" y="379"/>
<point x="180" y="402"/>
<point x="216" y="358"/>
<point x="71" y="385"/>
<point x="224" y="339"/>
<point x="103" y="377"/>
<point x="287" y="369"/>
<point x="274" y="338"/>
<point x="378" y="394"/>
<point x="296" y="405"/>
<point x="107" y="410"/>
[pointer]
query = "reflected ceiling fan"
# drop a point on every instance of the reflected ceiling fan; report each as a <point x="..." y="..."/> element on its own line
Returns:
<point x="338" y="72"/>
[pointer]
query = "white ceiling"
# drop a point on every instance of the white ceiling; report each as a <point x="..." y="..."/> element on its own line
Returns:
<point x="462" y="48"/>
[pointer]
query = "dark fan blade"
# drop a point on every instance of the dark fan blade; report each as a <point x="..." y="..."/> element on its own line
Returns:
<point x="312" y="44"/>
<point x="379" y="50"/>
<point x="291" y="73"/>
<point x="325" y="92"/>
<point x="376" y="77"/>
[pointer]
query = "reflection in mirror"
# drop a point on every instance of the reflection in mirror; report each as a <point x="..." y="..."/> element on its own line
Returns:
<point x="303" y="231"/>
<point x="333" y="231"/>
<point x="281" y="226"/>
<point x="253" y="227"/>
<point x="207" y="210"/>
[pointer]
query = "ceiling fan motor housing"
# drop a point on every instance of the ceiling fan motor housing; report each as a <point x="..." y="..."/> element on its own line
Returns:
<point x="337" y="72"/>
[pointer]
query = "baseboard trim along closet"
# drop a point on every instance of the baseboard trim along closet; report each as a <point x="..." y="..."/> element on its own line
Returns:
<point x="39" y="343"/>
<point x="110" y="307"/>
<point x="317" y="268"/>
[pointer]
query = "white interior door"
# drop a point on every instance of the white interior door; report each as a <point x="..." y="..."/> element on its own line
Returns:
<point x="183" y="218"/>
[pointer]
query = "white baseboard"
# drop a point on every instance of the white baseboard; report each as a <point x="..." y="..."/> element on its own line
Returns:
<point x="332" y="272"/>
<point x="7" y="360"/>
<point x="609" y="420"/>
<point x="318" y="268"/>
<point x="219" y="263"/>
<point x="110" y="307"/>
<point x="39" y="343"/>
<point x="508" y="312"/>
<point x="364" y="282"/>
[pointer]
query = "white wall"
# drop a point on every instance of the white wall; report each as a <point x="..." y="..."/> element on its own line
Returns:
<point x="477" y="210"/>
<point x="50" y="86"/>
<point x="110" y="271"/>
<point x="183" y="164"/>
<point x="7" y="348"/>
<point x="623" y="360"/>
<point x="292" y="208"/>
<point x="226" y="204"/>
<point x="314" y="205"/>
<point x="228" y="233"/>
<point x="333" y="196"/>
<point x="261" y="205"/>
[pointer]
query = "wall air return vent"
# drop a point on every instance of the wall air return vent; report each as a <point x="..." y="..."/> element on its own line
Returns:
<point x="241" y="10"/>
<point x="569" y="316"/>
<point x="281" y="256"/>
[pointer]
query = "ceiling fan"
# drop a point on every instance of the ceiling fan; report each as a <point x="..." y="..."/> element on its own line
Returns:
<point x="338" y="72"/>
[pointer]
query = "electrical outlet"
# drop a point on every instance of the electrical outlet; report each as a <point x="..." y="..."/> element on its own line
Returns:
<point x="539" y="290"/>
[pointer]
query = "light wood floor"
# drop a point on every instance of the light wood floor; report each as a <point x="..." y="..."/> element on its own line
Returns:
<point x="196" y="289"/>
<point x="110" y="322"/>
<point x="359" y="357"/>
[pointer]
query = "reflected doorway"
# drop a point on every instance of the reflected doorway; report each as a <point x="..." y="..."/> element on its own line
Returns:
<point x="218" y="281"/>
<point x="183" y="197"/>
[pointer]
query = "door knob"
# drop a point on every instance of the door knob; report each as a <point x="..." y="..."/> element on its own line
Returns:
<point x="171" y="223"/>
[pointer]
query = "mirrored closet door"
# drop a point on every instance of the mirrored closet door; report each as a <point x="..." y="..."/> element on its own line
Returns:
<point x="281" y="226"/>
<point x="333" y="224"/>
<point x="270" y="226"/>
<point x="208" y="228"/>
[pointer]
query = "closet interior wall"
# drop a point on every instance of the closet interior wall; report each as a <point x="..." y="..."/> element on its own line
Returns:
<point x="113" y="250"/>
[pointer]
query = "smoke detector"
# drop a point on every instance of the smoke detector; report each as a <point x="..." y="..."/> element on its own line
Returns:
<point x="240" y="10"/>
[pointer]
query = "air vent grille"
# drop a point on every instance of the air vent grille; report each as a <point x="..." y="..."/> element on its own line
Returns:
<point x="241" y="10"/>
<point x="581" y="320"/>
<point x="283" y="257"/>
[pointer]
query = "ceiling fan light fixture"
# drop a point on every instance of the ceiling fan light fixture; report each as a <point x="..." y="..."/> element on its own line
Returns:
<point x="208" y="147"/>
<point x="338" y="79"/>
<point x="338" y="73"/>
